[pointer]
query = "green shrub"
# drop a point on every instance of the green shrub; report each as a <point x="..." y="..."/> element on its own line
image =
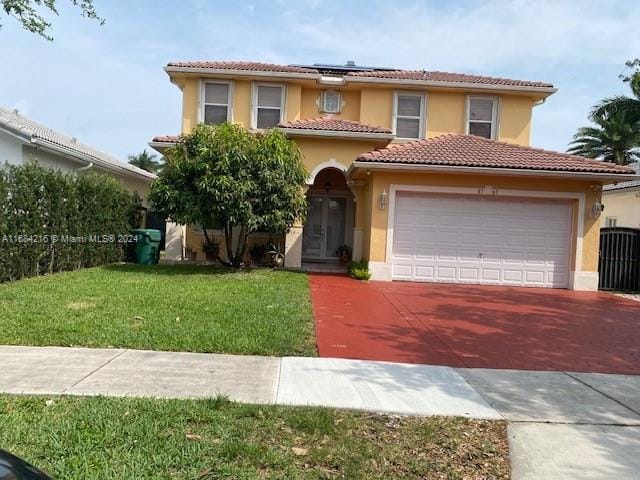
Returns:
<point x="359" y="269"/>
<point x="42" y="211"/>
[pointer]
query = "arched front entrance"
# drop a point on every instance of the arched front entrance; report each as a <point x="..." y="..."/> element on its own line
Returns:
<point x="329" y="223"/>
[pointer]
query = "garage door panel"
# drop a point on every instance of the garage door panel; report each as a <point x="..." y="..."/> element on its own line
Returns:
<point x="481" y="240"/>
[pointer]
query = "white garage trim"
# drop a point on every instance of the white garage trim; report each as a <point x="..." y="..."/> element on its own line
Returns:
<point x="578" y="280"/>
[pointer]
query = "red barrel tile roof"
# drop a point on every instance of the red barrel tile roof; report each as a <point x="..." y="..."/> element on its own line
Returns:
<point x="333" y="124"/>
<point x="472" y="151"/>
<point x="166" y="139"/>
<point x="248" y="66"/>
<point x="447" y="77"/>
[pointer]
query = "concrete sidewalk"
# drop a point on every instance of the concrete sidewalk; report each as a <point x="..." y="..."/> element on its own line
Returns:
<point x="562" y="424"/>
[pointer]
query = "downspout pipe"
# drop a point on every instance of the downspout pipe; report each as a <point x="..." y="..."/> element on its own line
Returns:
<point x="85" y="168"/>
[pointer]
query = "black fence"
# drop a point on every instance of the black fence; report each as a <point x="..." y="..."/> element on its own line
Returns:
<point x="619" y="259"/>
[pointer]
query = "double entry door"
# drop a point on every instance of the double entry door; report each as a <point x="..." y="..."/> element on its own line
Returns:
<point x="324" y="230"/>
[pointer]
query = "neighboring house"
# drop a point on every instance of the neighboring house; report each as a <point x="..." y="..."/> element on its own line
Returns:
<point x="23" y="140"/>
<point x="622" y="205"/>
<point x="427" y="175"/>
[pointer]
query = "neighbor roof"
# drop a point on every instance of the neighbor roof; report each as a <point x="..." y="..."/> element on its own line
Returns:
<point x="355" y="73"/>
<point x="622" y="185"/>
<point x="479" y="152"/>
<point x="38" y="134"/>
<point x="331" y="124"/>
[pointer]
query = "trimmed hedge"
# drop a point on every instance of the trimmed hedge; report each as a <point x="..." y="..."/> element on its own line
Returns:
<point x="52" y="221"/>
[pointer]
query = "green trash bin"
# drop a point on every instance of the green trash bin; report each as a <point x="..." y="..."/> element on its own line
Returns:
<point x="148" y="245"/>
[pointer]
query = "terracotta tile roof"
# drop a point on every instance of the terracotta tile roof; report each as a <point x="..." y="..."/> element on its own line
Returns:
<point x="423" y="75"/>
<point x="248" y="66"/>
<point x="472" y="151"/>
<point x="166" y="139"/>
<point x="447" y="77"/>
<point x="622" y="185"/>
<point x="329" y="124"/>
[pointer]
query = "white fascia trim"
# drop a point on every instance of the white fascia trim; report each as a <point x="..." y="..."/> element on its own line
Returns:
<point x="332" y="163"/>
<point x="68" y="152"/>
<point x="464" y="85"/>
<point x="156" y="145"/>
<point x="20" y="134"/>
<point x="245" y="73"/>
<point x="334" y="134"/>
<point x="492" y="171"/>
<point x="579" y="196"/>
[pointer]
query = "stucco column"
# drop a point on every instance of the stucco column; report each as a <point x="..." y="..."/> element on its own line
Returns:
<point x="293" y="243"/>
<point x="174" y="241"/>
<point x="358" y="218"/>
<point x="293" y="248"/>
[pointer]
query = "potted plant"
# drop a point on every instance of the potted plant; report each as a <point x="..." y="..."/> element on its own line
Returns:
<point x="211" y="250"/>
<point x="257" y="252"/>
<point x="277" y="255"/>
<point x="344" y="252"/>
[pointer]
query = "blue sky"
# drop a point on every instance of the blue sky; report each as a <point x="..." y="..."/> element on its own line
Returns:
<point x="105" y="84"/>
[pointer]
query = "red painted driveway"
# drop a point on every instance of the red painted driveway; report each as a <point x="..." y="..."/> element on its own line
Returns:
<point x="476" y="326"/>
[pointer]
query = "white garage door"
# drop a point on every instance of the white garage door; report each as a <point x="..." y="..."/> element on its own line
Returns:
<point x="482" y="240"/>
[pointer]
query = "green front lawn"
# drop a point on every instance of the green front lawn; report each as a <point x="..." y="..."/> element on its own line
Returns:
<point x="101" y="438"/>
<point x="180" y="308"/>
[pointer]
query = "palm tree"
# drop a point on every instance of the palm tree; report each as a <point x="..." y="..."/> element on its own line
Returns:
<point x="616" y="135"/>
<point x="629" y="106"/>
<point x="145" y="161"/>
<point x="615" y="138"/>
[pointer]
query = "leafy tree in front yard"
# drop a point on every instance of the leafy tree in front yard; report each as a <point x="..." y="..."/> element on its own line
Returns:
<point x="27" y="13"/>
<point x="245" y="182"/>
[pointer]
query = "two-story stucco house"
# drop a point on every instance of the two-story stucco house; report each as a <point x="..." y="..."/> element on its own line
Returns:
<point x="427" y="175"/>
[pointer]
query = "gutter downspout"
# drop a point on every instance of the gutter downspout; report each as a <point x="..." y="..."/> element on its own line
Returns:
<point x="85" y="168"/>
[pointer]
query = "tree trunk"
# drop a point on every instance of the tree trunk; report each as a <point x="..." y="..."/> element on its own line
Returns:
<point x="228" y="238"/>
<point x="242" y="244"/>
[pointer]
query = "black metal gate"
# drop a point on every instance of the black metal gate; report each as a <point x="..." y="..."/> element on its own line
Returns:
<point x="619" y="259"/>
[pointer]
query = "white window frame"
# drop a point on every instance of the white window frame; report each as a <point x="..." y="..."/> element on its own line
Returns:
<point x="254" y="101"/>
<point x="494" y="114"/>
<point x="423" y="113"/>
<point x="323" y="102"/>
<point x="608" y="221"/>
<point x="201" y="102"/>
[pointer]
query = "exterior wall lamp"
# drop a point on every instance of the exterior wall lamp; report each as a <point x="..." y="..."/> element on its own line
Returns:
<point x="383" y="199"/>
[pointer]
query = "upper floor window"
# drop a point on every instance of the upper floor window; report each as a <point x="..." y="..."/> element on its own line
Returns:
<point x="409" y="115"/>
<point x="610" y="222"/>
<point x="330" y="102"/>
<point x="482" y="113"/>
<point x="217" y="101"/>
<point x="268" y="105"/>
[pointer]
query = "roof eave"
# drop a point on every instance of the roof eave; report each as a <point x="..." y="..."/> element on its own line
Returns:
<point x="161" y="146"/>
<point x="604" y="177"/>
<point x="235" y="72"/>
<point x="545" y="91"/>
<point x="309" y="132"/>
<point x="89" y="159"/>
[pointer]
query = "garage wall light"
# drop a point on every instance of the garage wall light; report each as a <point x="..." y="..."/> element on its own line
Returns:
<point x="383" y="199"/>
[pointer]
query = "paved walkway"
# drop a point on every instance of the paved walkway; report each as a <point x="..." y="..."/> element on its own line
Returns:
<point x="561" y="425"/>
<point x="476" y="326"/>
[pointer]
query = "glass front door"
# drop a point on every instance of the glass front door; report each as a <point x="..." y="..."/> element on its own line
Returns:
<point x="324" y="230"/>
